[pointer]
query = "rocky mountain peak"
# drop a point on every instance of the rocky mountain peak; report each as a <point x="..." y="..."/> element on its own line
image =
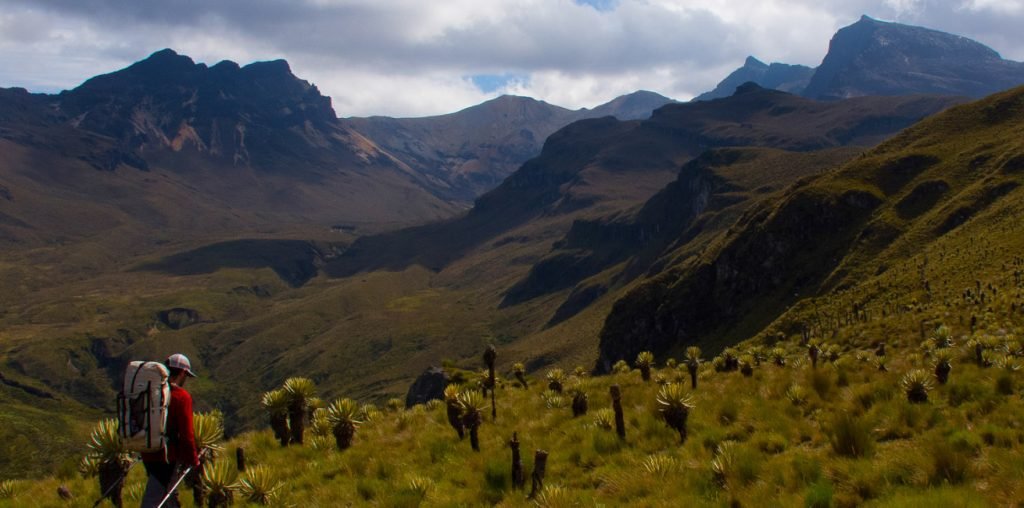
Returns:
<point x="872" y="57"/>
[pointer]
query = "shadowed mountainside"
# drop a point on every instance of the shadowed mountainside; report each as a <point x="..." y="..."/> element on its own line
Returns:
<point x="936" y="190"/>
<point x="561" y="181"/>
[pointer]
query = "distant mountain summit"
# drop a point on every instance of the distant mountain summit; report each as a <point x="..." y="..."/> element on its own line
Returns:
<point x="167" y="101"/>
<point x="464" y="154"/>
<point x="872" y="57"/>
<point x="778" y="76"/>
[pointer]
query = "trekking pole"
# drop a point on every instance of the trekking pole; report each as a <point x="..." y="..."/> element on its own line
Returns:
<point x="177" y="484"/>
<point x="118" y="482"/>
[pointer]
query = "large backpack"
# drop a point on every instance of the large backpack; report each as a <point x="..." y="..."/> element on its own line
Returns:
<point x="142" y="406"/>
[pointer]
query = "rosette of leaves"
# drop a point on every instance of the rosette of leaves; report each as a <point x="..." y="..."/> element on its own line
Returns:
<point x="218" y="479"/>
<point x="111" y="455"/>
<point x="621" y="367"/>
<point x="675" y="404"/>
<point x="472" y="406"/>
<point x="832" y="353"/>
<point x="579" y="399"/>
<point x="553" y="399"/>
<point x="451" y="398"/>
<point x="724" y="463"/>
<point x="519" y="371"/>
<point x="556" y="378"/>
<point x="8" y="489"/>
<point x="917" y="383"/>
<point x="796" y="395"/>
<point x="644" y="362"/>
<point x="275" y="402"/>
<point x="943" y="337"/>
<point x="747" y="365"/>
<point x="208" y="430"/>
<point x="779" y="356"/>
<point x="661" y="465"/>
<point x="730" y="359"/>
<point x="369" y="413"/>
<point x="320" y="423"/>
<point x="259" y="485"/>
<point x="977" y="346"/>
<point x="394" y="404"/>
<point x="343" y="417"/>
<point x="299" y="391"/>
<point x="813" y="351"/>
<point x="693" y="364"/>
<point x="943" y="365"/>
<point x="604" y="419"/>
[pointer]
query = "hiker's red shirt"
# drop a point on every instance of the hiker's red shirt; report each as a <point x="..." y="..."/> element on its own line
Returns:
<point x="181" y="441"/>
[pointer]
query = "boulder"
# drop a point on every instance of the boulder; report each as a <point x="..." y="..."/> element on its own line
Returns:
<point x="428" y="386"/>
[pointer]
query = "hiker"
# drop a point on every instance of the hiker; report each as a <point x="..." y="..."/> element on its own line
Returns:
<point x="163" y="467"/>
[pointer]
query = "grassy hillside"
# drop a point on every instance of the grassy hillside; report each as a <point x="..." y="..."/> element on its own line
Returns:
<point x="925" y="226"/>
<point x="775" y="430"/>
<point x="241" y="284"/>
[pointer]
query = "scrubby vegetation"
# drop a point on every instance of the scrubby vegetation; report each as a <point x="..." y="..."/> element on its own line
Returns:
<point x="843" y="433"/>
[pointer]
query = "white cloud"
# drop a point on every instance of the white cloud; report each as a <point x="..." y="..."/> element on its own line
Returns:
<point x="409" y="57"/>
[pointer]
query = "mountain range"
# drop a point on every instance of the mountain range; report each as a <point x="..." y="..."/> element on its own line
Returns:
<point x="872" y="57"/>
<point x="225" y="212"/>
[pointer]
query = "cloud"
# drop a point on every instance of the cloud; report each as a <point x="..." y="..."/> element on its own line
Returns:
<point x="409" y="57"/>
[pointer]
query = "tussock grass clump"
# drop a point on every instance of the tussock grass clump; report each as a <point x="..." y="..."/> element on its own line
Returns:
<point x="851" y="435"/>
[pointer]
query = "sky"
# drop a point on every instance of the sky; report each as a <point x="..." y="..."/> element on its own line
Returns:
<point x="416" y="57"/>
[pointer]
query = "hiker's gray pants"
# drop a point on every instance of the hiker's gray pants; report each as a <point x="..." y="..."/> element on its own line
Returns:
<point x="160" y="478"/>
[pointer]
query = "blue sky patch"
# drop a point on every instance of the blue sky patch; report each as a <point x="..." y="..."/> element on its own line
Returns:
<point x="488" y="83"/>
<point x="600" y="5"/>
